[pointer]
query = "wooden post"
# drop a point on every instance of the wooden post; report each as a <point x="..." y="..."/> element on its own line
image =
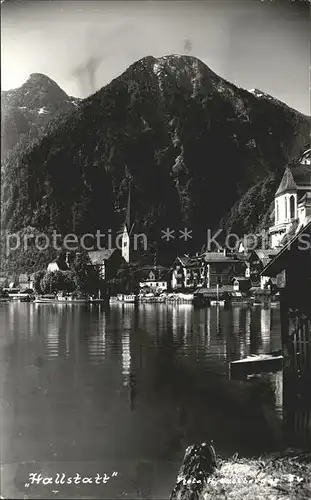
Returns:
<point x="284" y="313"/>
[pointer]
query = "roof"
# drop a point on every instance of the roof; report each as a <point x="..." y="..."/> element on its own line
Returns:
<point x="287" y="182"/>
<point x="265" y="255"/>
<point x="23" y="278"/>
<point x="290" y="234"/>
<point x="277" y="265"/>
<point x="306" y="199"/>
<point x="213" y="290"/>
<point x="61" y="263"/>
<point x="159" y="272"/>
<point x="124" y="226"/>
<point x="219" y="257"/>
<point x="196" y="262"/>
<point x="184" y="259"/>
<point x="266" y="252"/>
<point x="98" y="256"/>
<point x="295" y="177"/>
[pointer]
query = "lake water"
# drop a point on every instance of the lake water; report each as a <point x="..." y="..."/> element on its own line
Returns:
<point x="124" y="390"/>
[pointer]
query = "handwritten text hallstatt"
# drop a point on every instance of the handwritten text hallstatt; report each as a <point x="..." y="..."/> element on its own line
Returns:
<point x="62" y="478"/>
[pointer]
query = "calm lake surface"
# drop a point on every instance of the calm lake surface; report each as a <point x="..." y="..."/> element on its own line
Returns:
<point x="89" y="389"/>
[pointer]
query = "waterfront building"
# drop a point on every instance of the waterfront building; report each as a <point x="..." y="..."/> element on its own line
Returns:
<point x="257" y="261"/>
<point x="222" y="267"/>
<point x="25" y="281"/>
<point x="292" y="203"/>
<point x="188" y="272"/>
<point x="153" y="278"/>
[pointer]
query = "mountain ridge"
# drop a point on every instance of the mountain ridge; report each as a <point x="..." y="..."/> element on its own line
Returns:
<point x="27" y="109"/>
<point x="190" y="143"/>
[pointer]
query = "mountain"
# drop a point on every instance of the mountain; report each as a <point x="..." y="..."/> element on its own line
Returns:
<point x="27" y="109"/>
<point x="189" y="142"/>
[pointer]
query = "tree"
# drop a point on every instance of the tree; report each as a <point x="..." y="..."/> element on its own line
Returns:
<point x="87" y="278"/>
<point x="53" y="282"/>
<point x="125" y="280"/>
<point x="38" y="276"/>
<point x="70" y="281"/>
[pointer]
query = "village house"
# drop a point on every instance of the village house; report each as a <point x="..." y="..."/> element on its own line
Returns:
<point x="26" y="281"/>
<point x="59" y="264"/>
<point x="188" y="272"/>
<point x="222" y="267"/>
<point x="257" y="260"/>
<point x="153" y="278"/>
<point x="106" y="262"/>
<point x="292" y="203"/>
<point x="207" y="270"/>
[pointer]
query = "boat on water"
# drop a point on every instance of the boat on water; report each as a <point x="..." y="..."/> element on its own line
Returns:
<point x="123" y="298"/>
<point x="55" y="300"/>
<point x="218" y="302"/>
<point x="256" y="363"/>
<point x="19" y="295"/>
<point x="274" y="304"/>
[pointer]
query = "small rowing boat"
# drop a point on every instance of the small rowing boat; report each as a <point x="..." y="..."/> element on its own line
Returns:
<point x="257" y="363"/>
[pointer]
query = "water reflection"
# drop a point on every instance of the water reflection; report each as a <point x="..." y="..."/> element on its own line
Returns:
<point x="126" y="356"/>
<point x="130" y="383"/>
<point x="265" y="327"/>
<point x="297" y="409"/>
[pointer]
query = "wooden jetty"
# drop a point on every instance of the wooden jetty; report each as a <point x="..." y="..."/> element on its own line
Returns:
<point x="292" y="268"/>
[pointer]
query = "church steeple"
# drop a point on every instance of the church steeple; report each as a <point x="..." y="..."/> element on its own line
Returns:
<point x="126" y="230"/>
<point x="128" y="210"/>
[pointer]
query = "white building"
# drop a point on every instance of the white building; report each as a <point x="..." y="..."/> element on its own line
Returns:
<point x="292" y="203"/>
<point x="155" y="279"/>
<point x="60" y="264"/>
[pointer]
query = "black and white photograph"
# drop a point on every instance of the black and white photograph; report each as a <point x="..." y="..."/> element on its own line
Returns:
<point x="155" y="273"/>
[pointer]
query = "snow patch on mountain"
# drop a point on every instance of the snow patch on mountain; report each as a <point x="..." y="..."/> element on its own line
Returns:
<point x="42" y="111"/>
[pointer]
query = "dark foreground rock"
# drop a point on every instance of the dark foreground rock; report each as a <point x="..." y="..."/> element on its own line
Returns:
<point x="198" y="465"/>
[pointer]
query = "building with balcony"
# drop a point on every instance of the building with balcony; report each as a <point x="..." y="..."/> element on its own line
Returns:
<point x="188" y="272"/>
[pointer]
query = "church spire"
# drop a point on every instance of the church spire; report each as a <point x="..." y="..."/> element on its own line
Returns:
<point x="128" y="210"/>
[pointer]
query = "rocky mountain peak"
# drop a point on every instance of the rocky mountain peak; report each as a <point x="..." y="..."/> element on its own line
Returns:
<point x="28" y="108"/>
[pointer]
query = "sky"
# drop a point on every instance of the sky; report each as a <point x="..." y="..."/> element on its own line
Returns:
<point x="83" y="45"/>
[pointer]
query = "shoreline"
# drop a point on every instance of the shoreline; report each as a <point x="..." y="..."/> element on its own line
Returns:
<point x="275" y="476"/>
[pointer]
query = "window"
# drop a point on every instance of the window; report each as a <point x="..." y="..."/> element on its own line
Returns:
<point x="292" y="206"/>
<point x="276" y="211"/>
<point x="285" y="208"/>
